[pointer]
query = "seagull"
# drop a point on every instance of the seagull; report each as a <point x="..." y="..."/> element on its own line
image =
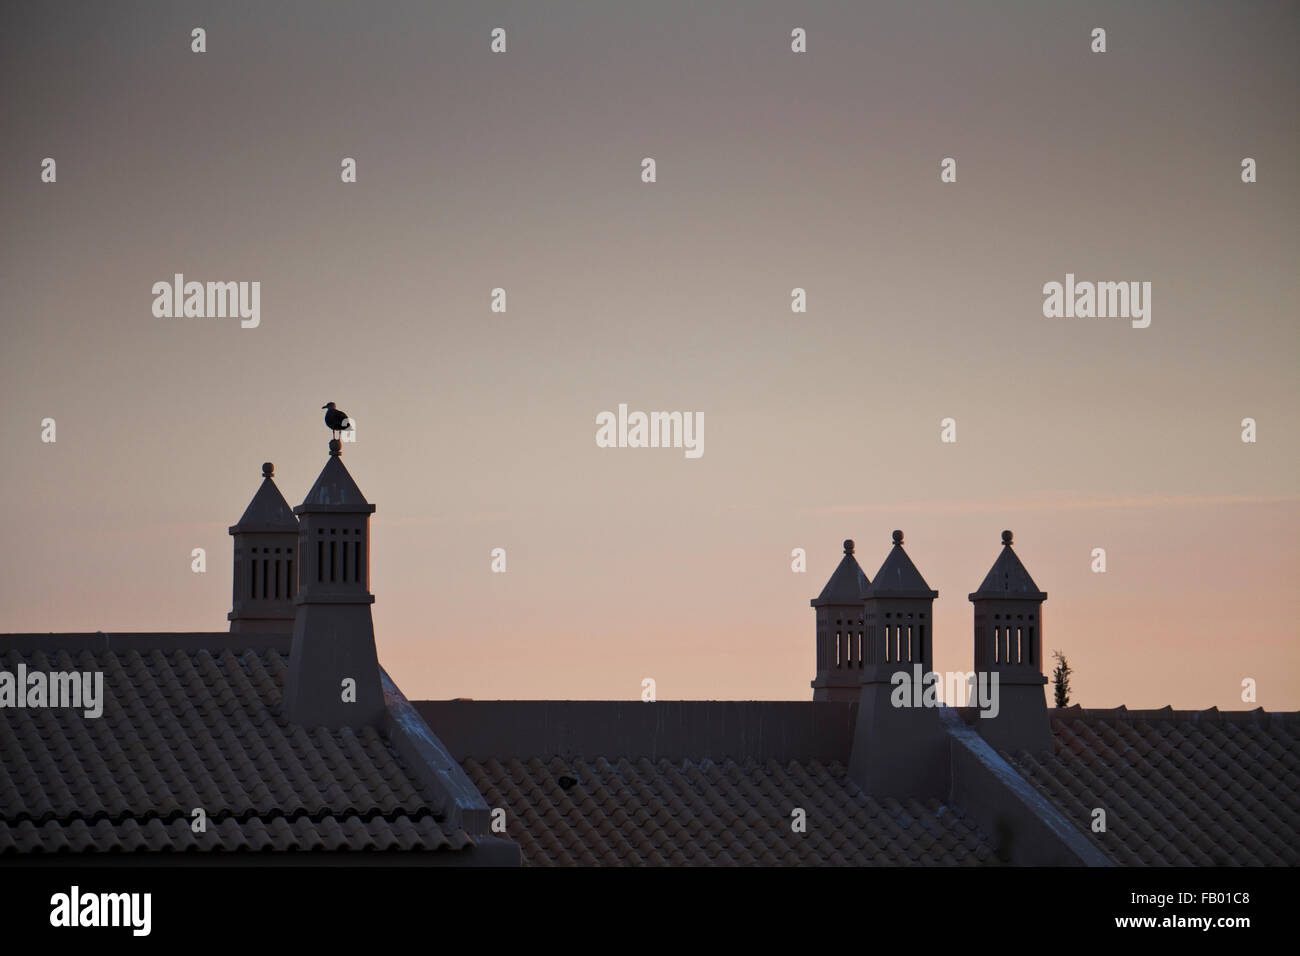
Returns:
<point x="336" y="419"/>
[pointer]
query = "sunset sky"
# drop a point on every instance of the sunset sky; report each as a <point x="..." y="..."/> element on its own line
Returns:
<point x="775" y="170"/>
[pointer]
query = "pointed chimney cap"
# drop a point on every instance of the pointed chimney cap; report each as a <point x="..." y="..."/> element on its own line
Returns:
<point x="847" y="583"/>
<point x="898" y="577"/>
<point x="268" y="512"/>
<point x="1008" y="579"/>
<point x="334" y="489"/>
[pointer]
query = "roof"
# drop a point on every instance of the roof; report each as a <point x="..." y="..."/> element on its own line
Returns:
<point x="616" y="783"/>
<point x="1180" y="788"/>
<point x="268" y="511"/>
<point x="334" y="490"/>
<point x="1008" y="579"/>
<point x="631" y="811"/>
<point x="898" y="576"/>
<point x="184" y="728"/>
<point x="847" y="583"/>
<point x="690" y="783"/>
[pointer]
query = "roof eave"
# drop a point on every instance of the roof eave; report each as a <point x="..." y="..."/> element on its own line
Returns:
<point x="1007" y="595"/>
<point x="888" y="593"/>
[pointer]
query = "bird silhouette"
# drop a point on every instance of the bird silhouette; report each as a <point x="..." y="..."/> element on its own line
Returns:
<point x="336" y="419"/>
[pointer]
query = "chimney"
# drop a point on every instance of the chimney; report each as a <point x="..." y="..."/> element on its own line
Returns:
<point x="265" y="572"/>
<point x="839" y="631"/>
<point x="1009" y="644"/>
<point x="333" y="676"/>
<point x="900" y="746"/>
<point x="900" y="616"/>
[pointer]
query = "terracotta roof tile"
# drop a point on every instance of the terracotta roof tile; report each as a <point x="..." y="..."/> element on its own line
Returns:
<point x="721" y="813"/>
<point x="1178" y="788"/>
<point x="184" y="729"/>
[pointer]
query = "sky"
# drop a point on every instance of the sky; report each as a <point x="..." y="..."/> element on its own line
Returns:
<point x="775" y="170"/>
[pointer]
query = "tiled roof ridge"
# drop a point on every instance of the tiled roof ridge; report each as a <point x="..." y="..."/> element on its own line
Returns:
<point x="423" y="755"/>
<point x="244" y="816"/>
<point x="1257" y="715"/>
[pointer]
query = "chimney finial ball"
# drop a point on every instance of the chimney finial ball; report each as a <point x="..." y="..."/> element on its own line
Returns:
<point x="336" y="447"/>
<point x="1006" y="538"/>
<point x="848" y="545"/>
<point x="268" y="469"/>
<point x="898" y="537"/>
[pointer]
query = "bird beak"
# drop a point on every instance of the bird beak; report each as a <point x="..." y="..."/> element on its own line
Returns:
<point x="324" y="406"/>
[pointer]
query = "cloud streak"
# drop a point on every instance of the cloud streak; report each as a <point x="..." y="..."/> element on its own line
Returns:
<point x="1056" y="504"/>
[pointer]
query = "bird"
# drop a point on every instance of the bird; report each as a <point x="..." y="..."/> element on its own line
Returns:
<point x="336" y="419"/>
